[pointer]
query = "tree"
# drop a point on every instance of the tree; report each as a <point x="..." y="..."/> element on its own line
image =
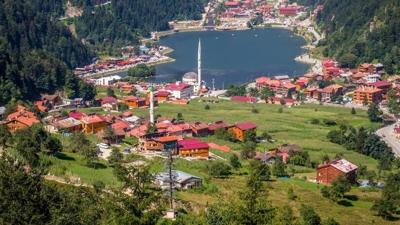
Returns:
<point x="330" y="221"/>
<point x="309" y="216"/>
<point x="284" y="216"/>
<point x="374" y="114"/>
<point x="53" y="145"/>
<point x="5" y="136"/>
<point x="261" y="169"/>
<point x="266" y="93"/>
<point x="115" y="157"/>
<point x="219" y="169"/>
<point x="234" y="161"/>
<point x="339" y="187"/>
<point x="393" y="102"/>
<point x="348" y="60"/>
<point x="179" y="117"/>
<point x="110" y="92"/>
<point x="90" y="153"/>
<point x="207" y="107"/>
<point x="253" y="92"/>
<point x="77" y="141"/>
<point x="291" y="195"/>
<point x="142" y="71"/>
<point x="234" y="90"/>
<point x="279" y="168"/>
<point x="248" y="150"/>
<point x="389" y="202"/>
<point x="353" y="111"/>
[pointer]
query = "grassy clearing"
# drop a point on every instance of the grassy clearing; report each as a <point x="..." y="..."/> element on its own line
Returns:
<point x="72" y="164"/>
<point x="291" y="126"/>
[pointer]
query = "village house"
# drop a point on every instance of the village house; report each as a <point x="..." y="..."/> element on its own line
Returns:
<point x="67" y="125"/>
<point x="193" y="148"/>
<point x="159" y="143"/>
<point x="240" y="130"/>
<point x="93" y="124"/>
<point x="181" y="180"/>
<point x="162" y="96"/>
<point x="212" y="127"/>
<point x="312" y="93"/>
<point x="330" y="92"/>
<point x="109" y="103"/>
<point x="20" y="119"/>
<point x="76" y="114"/>
<point x="50" y="101"/>
<point x="199" y="129"/>
<point x="180" y="130"/>
<point x="329" y="171"/>
<point x="384" y="85"/>
<point x="284" y="152"/>
<point x="180" y="90"/>
<point x="134" y="102"/>
<point x="115" y="136"/>
<point x="366" y="68"/>
<point x="367" y="95"/>
<point x="139" y="131"/>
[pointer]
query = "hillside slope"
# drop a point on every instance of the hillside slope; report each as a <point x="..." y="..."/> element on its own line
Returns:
<point x="362" y="31"/>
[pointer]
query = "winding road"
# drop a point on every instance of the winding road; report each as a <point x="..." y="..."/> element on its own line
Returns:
<point x="387" y="135"/>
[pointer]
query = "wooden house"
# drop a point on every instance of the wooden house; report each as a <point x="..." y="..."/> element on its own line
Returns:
<point x="93" y="124"/>
<point x="239" y="130"/>
<point x="193" y="148"/>
<point x="328" y="172"/>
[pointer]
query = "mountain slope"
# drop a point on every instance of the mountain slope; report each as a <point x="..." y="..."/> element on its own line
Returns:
<point x="362" y="31"/>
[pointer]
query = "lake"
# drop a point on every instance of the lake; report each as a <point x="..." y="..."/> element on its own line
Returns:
<point x="233" y="57"/>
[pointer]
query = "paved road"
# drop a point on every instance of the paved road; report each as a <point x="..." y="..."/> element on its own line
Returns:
<point x="387" y="134"/>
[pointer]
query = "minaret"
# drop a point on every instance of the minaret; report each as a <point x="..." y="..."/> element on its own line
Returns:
<point x="151" y="111"/>
<point x="199" y="66"/>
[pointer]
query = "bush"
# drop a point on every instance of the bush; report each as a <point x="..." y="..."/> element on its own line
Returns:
<point x="329" y="122"/>
<point x="219" y="169"/>
<point x="206" y="107"/>
<point x="291" y="194"/>
<point x="280" y="110"/>
<point x="314" y="121"/>
<point x="254" y="110"/>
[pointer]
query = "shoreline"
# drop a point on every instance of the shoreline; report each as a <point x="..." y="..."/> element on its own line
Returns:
<point x="305" y="58"/>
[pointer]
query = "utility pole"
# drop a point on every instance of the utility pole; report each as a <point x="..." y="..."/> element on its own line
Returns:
<point x="213" y="84"/>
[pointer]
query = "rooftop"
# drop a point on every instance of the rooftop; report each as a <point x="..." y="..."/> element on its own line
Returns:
<point x="192" y="144"/>
<point x="246" y="125"/>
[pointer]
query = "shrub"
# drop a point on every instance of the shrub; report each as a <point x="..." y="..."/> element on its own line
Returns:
<point x="314" y="121"/>
<point x="206" y="107"/>
<point x="219" y="169"/>
<point x="280" y="110"/>
<point x="254" y="110"/>
<point x="329" y="122"/>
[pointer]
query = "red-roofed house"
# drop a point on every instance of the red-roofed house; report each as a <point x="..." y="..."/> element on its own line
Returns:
<point x="179" y="130"/>
<point x="232" y="4"/>
<point x="121" y="125"/>
<point x="193" y="148"/>
<point x="239" y="130"/>
<point x="212" y="127"/>
<point x="199" y="129"/>
<point x="328" y="172"/>
<point x="180" y="90"/>
<point x="76" y="114"/>
<point x="139" y="131"/>
<point x="162" y="96"/>
<point x="134" y="102"/>
<point x="109" y="103"/>
<point x="93" y="124"/>
<point x="21" y="119"/>
<point x="367" y="95"/>
<point x="330" y="92"/>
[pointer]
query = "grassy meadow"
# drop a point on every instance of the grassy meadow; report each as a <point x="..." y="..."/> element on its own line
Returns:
<point x="291" y="126"/>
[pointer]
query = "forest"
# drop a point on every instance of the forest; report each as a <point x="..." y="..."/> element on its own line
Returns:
<point x="360" y="31"/>
<point x="38" y="50"/>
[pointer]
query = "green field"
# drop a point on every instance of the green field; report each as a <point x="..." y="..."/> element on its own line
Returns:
<point x="291" y="126"/>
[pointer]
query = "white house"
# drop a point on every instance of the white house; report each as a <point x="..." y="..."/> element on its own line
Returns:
<point x="180" y="90"/>
<point x="105" y="81"/>
<point x="181" y="180"/>
<point x="371" y="78"/>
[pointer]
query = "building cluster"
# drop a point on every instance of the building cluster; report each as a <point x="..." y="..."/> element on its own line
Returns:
<point x="21" y="118"/>
<point x="129" y="58"/>
<point x="363" y="85"/>
<point x="237" y="13"/>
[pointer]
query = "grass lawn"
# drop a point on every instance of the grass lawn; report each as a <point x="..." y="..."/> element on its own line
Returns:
<point x="73" y="164"/>
<point x="291" y="126"/>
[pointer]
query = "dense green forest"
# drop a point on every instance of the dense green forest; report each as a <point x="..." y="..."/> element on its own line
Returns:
<point x="123" y="22"/>
<point x="36" y="52"/>
<point x="37" y="49"/>
<point x="360" y="31"/>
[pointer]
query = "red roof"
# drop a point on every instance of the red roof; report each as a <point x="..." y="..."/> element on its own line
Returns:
<point x="217" y="125"/>
<point x="192" y="144"/>
<point x="177" y="86"/>
<point x="120" y="125"/>
<point x="108" y="99"/>
<point x="246" y="125"/>
<point x="76" y="114"/>
<point x="381" y="84"/>
<point x="162" y="94"/>
<point x="243" y="99"/>
<point x="29" y="121"/>
<point x="127" y="114"/>
<point x="133" y="99"/>
<point x="232" y="3"/>
<point x="92" y="119"/>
